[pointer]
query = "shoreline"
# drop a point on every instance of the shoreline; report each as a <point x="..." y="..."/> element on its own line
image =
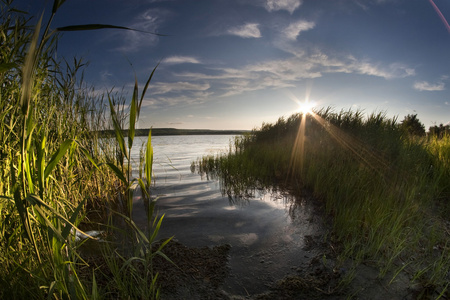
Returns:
<point x="175" y="131"/>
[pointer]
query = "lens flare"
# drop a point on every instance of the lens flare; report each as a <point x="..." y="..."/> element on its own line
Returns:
<point x="443" y="19"/>
<point x="306" y="107"/>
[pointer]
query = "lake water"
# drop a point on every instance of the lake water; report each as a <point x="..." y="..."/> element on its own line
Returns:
<point x="266" y="232"/>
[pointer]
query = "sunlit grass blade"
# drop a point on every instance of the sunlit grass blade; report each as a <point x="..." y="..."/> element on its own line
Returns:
<point x="143" y="187"/>
<point x="118" y="173"/>
<point x="41" y="163"/>
<point x="28" y="69"/>
<point x="57" y="157"/>
<point x="117" y="128"/>
<point x="156" y="229"/>
<point x="37" y="203"/>
<point x="88" y="156"/>
<point x="45" y="217"/>
<point x="149" y="159"/>
<point x="144" y="91"/>
<point x="133" y="115"/>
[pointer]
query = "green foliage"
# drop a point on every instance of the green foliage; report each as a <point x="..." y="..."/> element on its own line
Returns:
<point x="53" y="164"/>
<point x="379" y="186"/>
<point x="439" y="131"/>
<point x="412" y="125"/>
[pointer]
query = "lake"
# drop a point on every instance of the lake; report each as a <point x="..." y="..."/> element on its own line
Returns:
<point x="266" y="233"/>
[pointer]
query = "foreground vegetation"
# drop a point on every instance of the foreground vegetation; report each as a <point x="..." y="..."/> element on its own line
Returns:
<point x="55" y="170"/>
<point x="387" y="190"/>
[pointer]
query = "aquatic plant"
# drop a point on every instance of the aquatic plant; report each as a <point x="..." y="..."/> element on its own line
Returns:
<point x="381" y="186"/>
<point x="53" y="166"/>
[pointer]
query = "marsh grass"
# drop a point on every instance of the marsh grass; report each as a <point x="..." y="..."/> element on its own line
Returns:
<point x="387" y="193"/>
<point x="53" y="167"/>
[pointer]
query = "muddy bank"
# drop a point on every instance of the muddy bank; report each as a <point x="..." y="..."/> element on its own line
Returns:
<point x="201" y="273"/>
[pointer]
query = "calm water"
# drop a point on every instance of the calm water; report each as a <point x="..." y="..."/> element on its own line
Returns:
<point x="266" y="233"/>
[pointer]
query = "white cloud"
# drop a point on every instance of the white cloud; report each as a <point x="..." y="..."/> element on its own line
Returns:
<point x="426" y="86"/>
<point x="182" y="99"/>
<point x="249" y="30"/>
<point x="288" y="5"/>
<point x="182" y="86"/>
<point x="282" y="73"/>
<point x="181" y="60"/>
<point x="294" y="29"/>
<point x="394" y="70"/>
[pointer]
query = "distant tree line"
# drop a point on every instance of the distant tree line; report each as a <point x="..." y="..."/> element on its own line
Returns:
<point x="439" y="131"/>
<point x="413" y="126"/>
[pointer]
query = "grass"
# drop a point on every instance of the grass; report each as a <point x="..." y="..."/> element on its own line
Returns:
<point x="54" y="169"/>
<point x="386" y="192"/>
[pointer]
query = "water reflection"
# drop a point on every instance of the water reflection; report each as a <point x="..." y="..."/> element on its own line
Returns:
<point x="260" y="223"/>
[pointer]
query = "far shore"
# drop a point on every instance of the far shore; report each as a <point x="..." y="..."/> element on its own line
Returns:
<point x="175" y="131"/>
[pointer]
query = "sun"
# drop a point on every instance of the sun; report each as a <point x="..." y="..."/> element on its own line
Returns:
<point x="306" y="107"/>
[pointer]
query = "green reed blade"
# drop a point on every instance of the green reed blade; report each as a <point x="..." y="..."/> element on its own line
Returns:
<point x="133" y="115"/>
<point x="143" y="188"/>
<point x="51" y="290"/>
<point x="135" y="227"/>
<point x="149" y="159"/>
<point x="28" y="69"/>
<point x="57" y="157"/>
<point x="56" y="5"/>
<point x="5" y="67"/>
<point x="37" y="202"/>
<point x="49" y="224"/>
<point x="156" y="230"/>
<point x="41" y="162"/>
<point x="88" y="156"/>
<point x="66" y="231"/>
<point x="29" y="154"/>
<point x="163" y="245"/>
<point x="118" y="173"/>
<point x="101" y="26"/>
<point x="95" y="294"/>
<point x="117" y="128"/>
<point x="145" y="88"/>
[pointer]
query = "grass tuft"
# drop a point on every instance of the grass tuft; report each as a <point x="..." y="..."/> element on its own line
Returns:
<point x="386" y="191"/>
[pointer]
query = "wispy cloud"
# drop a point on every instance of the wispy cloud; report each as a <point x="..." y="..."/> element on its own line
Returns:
<point x="275" y="74"/>
<point x="288" y="5"/>
<point x="294" y="29"/>
<point x="105" y="75"/>
<point x="180" y="99"/>
<point x="181" y="60"/>
<point x="182" y="86"/>
<point x="149" y="21"/>
<point x="249" y="30"/>
<point x="426" y="86"/>
<point x="391" y="71"/>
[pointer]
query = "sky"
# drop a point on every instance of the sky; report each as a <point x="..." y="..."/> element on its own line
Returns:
<point x="234" y="64"/>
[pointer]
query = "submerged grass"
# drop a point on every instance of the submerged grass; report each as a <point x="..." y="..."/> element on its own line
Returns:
<point x="54" y="169"/>
<point x="386" y="191"/>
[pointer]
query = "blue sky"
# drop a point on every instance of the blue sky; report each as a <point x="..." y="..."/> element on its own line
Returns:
<point x="233" y="64"/>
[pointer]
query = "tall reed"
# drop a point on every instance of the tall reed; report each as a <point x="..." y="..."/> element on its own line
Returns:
<point x="380" y="186"/>
<point x="53" y="164"/>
